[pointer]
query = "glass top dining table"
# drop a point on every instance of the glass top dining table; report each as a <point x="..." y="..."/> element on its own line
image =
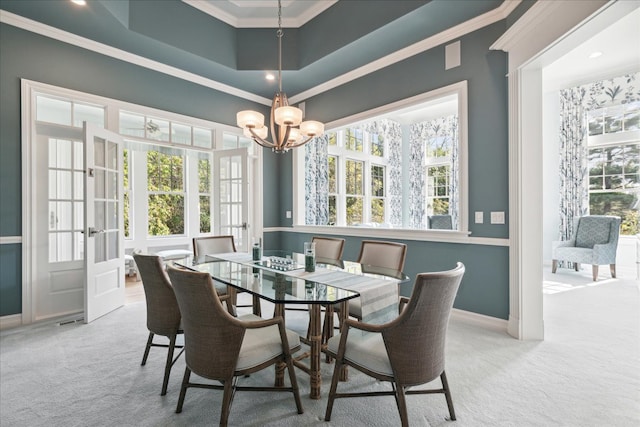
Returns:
<point x="280" y="278"/>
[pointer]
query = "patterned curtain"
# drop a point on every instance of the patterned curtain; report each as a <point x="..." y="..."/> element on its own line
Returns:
<point x="445" y="131"/>
<point x="574" y="175"/>
<point x="316" y="181"/>
<point x="392" y="134"/>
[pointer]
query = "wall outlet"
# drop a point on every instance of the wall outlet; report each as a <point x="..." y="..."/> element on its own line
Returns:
<point x="479" y="217"/>
<point x="288" y="214"/>
<point x="497" y="217"/>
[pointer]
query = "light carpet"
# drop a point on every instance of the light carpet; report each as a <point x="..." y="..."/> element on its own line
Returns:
<point x="585" y="373"/>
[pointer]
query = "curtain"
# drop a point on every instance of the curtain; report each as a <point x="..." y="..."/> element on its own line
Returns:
<point x="316" y="181"/>
<point x="575" y="103"/>
<point x="443" y="133"/>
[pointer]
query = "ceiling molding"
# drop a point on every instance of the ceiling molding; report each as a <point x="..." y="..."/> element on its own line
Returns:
<point x="103" y="49"/>
<point x="270" y="22"/>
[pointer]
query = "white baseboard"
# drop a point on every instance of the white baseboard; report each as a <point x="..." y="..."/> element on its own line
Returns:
<point x="480" y="319"/>
<point x="11" y="321"/>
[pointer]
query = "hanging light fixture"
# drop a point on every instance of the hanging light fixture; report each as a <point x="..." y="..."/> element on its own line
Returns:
<point x="287" y="128"/>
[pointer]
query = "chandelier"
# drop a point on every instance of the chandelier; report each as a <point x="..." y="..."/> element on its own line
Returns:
<point x="287" y="128"/>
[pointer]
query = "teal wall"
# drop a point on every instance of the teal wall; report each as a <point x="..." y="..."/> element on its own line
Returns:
<point x="485" y="286"/>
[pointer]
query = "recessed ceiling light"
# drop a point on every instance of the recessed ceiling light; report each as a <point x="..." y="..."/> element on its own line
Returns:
<point x="595" y="54"/>
<point x="270" y="76"/>
<point x="79" y="2"/>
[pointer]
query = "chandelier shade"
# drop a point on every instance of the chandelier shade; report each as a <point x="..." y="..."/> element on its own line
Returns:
<point x="287" y="128"/>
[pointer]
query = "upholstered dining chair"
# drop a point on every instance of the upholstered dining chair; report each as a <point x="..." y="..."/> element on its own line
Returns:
<point x="221" y="347"/>
<point x="594" y="241"/>
<point x="163" y="313"/>
<point x="409" y="351"/>
<point x="213" y="245"/>
<point x="330" y="248"/>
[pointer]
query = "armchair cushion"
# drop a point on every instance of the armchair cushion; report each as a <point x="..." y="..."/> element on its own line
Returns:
<point x="262" y="344"/>
<point x="364" y="349"/>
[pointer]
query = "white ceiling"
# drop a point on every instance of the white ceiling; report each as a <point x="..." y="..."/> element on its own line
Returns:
<point x="620" y="47"/>
<point x="262" y="13"/>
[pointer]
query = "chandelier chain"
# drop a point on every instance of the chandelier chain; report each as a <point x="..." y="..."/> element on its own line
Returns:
<point x="279" y="35"/>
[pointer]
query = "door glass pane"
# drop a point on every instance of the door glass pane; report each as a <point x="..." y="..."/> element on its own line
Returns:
<point x="98" y="153"/>
<point x="112" y="244"/>
<point x="78" y="241"/>
<point x="78" y="186"/>
<point x="225" y="192"/>
<point x="100" y="210"/>
<point x="63" y="185"/>
<point x="100" y="247"/>
<point x="112" y="215"/>
<point x="63" y="154"/>
<point x="99" y="184"/>
<point x="53" y="248"/>
<point x="63" y="247"/>
<point x="78" y="215"/>
<point x="112" y="186"/>
<point x="78" y="155"/>
<point x="112" y="155"/>
<point x="64" y="218"/>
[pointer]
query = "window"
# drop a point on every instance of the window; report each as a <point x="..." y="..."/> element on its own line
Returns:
<point x="127" y="194"/>
<point x="614" y="164"/>
<point x="166" y="191"/>
<point x="405" y="162"/>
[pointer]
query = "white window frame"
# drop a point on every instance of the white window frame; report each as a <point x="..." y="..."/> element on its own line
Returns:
<point x="462" y="235"/>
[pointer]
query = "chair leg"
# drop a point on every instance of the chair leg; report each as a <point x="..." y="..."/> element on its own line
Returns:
<point x="294" y="383"/>
<point x="167" y="366"/>
<point x="612" y="268"/>
<point x="147" y="348"/>
<point x="332" y="391"/>
<point x="401" y="401"/>
<point x="576" y="266"/>
<point x="183" y="389"/>
<point x="554" y="265"/>
<point x="594" y="271"/>
<point x="447" y="395"/>
<point x="226" y="402"/>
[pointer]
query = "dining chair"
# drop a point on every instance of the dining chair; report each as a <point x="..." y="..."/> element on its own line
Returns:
<point x="211" y="245"/>
<point x="408" y="351"/>
<point x="329" y="248"/>
<point x="221" y="347"/>
<point x="163" y="313"/>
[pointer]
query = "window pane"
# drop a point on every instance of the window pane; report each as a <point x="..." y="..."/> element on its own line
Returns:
<point x="165" y="172"/>
<point x="377" y="145"/>
<point x="632" y="116"/>
<point x="132" y="124"/>
<point x="333" y="216"/>
<point x="333" y="138"/>
<point x="613" y="119"/>
<point x="377" y="210"/>
<point x="377" y="181"/>
<point x="333" y="187"/>
<point x="354" y="177"/>
<point x="157" y="129"/>
<point x="180" y="134"/>
<point x="622" y="204"/>
<point x="354" y="210"/>
<point x="205" y="214"/>
<point x="166" y="214"/>
<point x="204" y="176"/>
<point x="353" y="139"/>
<point x="202" y="138"/>
<point x="596" y="122"/>
<point x="88" y="113"/>
<point x="53" y="110"/>
<point x="127" y="203"/>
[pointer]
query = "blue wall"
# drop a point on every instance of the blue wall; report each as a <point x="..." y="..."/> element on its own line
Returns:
<point x="485" y="286"/>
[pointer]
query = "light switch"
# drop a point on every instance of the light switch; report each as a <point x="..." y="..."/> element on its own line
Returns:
<point x="288" y="214"/>
<point x="497" y="217"/>
<point x="479" y="217"/>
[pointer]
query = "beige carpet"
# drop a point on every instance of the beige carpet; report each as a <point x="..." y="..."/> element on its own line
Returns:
<point x="585" y="373"/>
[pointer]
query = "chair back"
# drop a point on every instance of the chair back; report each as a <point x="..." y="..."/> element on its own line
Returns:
<point x="329" y="247"/>
<point x="213" y="245"/>
<point x="163" y="313"/>
<point x="594" y="230"/>
<point x="212" y="336"/>
<point x="440" y="222"/>
<point x="415" y="342"/>
<point x="383" y="254"/>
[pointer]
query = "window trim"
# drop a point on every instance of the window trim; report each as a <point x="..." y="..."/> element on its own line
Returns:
<point x="457" y="236"/>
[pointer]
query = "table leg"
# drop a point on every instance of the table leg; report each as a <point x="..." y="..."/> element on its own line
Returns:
<point x="343" y="316"/>
<point x="315" y="342"/>
<point x="280" y="366"/>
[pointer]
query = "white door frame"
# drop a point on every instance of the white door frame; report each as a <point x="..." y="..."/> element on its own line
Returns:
<point x="566" y="24"/>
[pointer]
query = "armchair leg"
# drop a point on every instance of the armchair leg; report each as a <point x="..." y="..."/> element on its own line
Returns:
<point x="447" y="395"/>
<point x="147" y="348"/>
<point x="576" y="266"/>
<point x="612" y="268"/>
<point x="594" y="270"/>
<point x="554" y="266"/>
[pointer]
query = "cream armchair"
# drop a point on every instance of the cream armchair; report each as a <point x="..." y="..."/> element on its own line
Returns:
<point x="594" y="241"/>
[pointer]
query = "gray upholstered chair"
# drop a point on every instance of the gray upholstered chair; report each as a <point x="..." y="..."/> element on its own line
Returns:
<point x="440" y="222"/>
<point x="221" y="347"/>
<point x="163" y="313"/>
<point x="594" y="241"/>
<point x="408" y="351"/>
<point x="213" y="245"/>
<point x="329" y="248"/>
